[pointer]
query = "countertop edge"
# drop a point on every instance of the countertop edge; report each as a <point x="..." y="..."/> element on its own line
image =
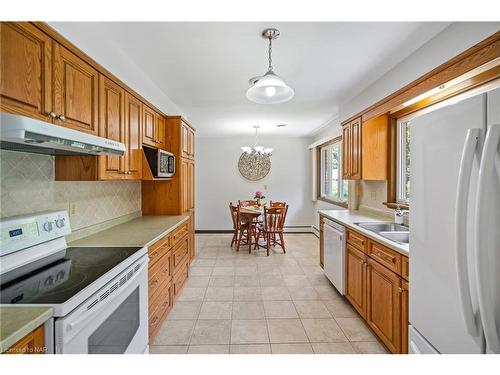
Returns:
<point x="368" y="233"/>
<point x="167" y="231"/>
<point x="10" y="340"/>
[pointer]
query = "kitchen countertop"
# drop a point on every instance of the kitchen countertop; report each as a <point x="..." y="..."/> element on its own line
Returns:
<point x="142" y="231"/>
<point x="348" y="218"/>
<point x="17" y="322"/>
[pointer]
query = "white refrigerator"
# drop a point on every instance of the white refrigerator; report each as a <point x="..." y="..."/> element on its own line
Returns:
<point x="455" y="226"/>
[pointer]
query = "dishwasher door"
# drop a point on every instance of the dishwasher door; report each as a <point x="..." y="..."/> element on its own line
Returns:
<point x="333" y="245"/>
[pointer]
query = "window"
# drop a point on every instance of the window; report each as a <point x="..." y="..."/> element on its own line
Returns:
<point x="403" y="163"/>
<point x="332" y="186"/>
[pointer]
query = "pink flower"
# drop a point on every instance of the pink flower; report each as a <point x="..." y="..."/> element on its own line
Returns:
<point x="259" y="194"/>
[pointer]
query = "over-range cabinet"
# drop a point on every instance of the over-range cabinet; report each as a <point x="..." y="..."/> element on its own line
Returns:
<point x="455" y="216"/>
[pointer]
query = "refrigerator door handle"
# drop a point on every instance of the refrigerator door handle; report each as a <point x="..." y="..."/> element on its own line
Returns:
<point x="484" y="194"/>
<point x="464" y="177"/>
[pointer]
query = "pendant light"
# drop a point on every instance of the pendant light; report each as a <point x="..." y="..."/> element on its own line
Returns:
<point x="257" y="150"/>
<point x="269" y="88"/>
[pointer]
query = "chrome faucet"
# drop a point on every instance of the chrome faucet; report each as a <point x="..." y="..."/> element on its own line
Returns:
<point x="399" y="215"/>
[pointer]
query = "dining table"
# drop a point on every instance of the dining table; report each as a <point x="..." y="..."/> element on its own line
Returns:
<point x="252" y="214"/>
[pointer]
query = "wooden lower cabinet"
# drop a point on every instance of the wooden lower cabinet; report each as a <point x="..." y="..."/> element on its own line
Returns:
<point x="405" y="315"/>
<point x="383" y="312"/>
<point x="32" y="343"/>
<point x="321" y="248"/>
<point x="376" y="287"/>
<point x="168" y="271"/>
<point x="355" y="267"/>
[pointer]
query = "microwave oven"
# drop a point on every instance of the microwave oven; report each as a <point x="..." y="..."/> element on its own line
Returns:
<point x="162" y="163"/>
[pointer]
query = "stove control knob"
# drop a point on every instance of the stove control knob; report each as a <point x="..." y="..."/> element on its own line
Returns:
<point x="47" y="226"/>
<point x="60" y="223"/>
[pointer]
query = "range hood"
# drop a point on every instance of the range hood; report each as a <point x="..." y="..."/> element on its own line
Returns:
<point x="20" y="133"/>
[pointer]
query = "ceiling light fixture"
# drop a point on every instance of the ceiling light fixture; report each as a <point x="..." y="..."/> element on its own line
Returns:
<point x="257" y="150"/>
<point x="269" y="88"/>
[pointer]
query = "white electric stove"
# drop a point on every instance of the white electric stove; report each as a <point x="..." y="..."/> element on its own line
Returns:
<point x="98" y="294"/>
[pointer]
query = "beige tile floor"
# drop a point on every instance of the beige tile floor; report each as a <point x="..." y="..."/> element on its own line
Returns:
<point x="241" y="303"/>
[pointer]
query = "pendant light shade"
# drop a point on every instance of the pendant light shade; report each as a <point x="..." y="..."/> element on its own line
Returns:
<point x="269" y="89"/>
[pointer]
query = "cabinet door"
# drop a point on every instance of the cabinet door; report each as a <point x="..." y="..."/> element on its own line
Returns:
<point x="190" y="185"/>
<point x="149" y="126"/>
<point x="161" y="134"/>
<point x="355" y="150"/>
<point x="184" y="185"/>
<point x="191" y="142"/>
<point x="26" y="70"/>
<point x="32" y="343"/>
<point x="76" y="86"/>
<point x="405" y="316"/>
<point x="185" y="140"/>
<point x="133" y="132"/>
<point x="321" y="238"/>
<point x="346" y="151"/>
<point x="384" y="304"/>
<point x="111" y="126"/>
<point x="356" y="279"/>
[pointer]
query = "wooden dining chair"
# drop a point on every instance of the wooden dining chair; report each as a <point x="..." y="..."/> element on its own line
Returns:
<point x="248" y="203"/>
<point x="277" y="204"/>
<point x="241" y="228"/>
<point x="272" y="227"/>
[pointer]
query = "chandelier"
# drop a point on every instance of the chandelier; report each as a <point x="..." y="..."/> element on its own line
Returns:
<point x="257" y="150"/>
<point x="269" y="88"/>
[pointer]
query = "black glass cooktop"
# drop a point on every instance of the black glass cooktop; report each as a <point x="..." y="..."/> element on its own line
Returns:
<point x="56" y="280"/>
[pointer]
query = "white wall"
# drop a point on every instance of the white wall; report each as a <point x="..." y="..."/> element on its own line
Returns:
<point x="218" y="180"/>
<point x="111" y="57"/>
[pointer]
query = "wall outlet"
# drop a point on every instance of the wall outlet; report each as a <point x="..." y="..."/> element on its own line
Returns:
<point x="373" y="195"/>
<point x="72" y="209"/>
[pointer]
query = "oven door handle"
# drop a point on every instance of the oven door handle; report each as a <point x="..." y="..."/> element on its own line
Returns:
<point x="90" y="313"/>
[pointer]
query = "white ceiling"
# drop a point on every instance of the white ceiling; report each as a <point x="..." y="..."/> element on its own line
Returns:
<point x="204" y="67"/>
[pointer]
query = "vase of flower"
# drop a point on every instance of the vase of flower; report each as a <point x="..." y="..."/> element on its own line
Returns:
<point x="259" y="196"/>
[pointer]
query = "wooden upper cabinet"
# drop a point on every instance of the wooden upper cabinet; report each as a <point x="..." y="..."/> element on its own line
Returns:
<point x="384" y="304"/>
<point x="111" y="126"/>
<point x="184" y="186"/>
<point x="25" y="70"/>
<point x="76" y="86"/>
<point x="191" y="143"/>
<point x="149" y="126"/>
<point x="355" y="150"/>
<point x="346" y="151"/>
<point x="185" y="140"/>
<point x="375" y="148"/>
<point x="160" y="131"/>
<point x="133" y="137"/>
<point x="356" y="278"/>
<point x="351" y="150"/>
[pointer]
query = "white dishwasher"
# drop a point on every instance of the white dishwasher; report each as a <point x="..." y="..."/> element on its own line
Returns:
<point x="333" y="256"/>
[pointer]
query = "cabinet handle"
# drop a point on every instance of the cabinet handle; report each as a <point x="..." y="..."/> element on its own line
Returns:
<point x="52" y="114"/>
<point x="400" y="290"/>
<point x="61" y="117"/>
<point x="152" y="255"/>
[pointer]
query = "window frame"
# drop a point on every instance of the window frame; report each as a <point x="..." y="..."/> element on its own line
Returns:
<point x="320" y="169"/>
<point x="402" y="125"/>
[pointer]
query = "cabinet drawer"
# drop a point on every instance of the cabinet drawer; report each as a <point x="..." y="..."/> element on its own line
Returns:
<point x="158" y="315"/>
<point x="156" y="250"/>
<point x="159" y="274"/>
<point x="179" y="253"/>
<point x="179" y="233"/>
<point x="405" y="268"/>
<point x="357" y="240"/>
<point x="180" y="279"/>
<point x="385" y="256"/>
<point x="161" y="295"/>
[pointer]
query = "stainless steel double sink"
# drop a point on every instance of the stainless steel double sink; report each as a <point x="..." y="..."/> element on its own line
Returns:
<point x="392" y="231"/>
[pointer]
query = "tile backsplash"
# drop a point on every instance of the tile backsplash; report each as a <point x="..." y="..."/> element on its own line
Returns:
<point x="27" y="185"/>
